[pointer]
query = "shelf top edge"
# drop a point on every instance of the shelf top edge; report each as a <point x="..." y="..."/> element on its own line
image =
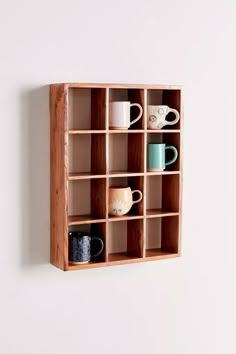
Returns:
<point x="119" y="85"/>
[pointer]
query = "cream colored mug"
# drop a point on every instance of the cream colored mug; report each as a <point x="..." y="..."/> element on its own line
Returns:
<point x="119" y="114"/>
<point x="121" y="200"/>
<point x="156" y="116"/>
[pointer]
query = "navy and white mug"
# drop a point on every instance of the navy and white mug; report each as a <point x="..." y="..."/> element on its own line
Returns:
<point x="83" y="247"/>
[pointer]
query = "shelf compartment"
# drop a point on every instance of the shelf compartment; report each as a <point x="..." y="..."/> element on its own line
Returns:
<point x="162" y="193"/>
<point x="86" y="108"/>
<point x="86" y="200"/>
<point x="87" y="154"/>
<point x="171" y="98"/>
<point x="133" y="96"/>
<point x="162" y="236"/>
<point x="136" y="182"/>
<point x="126" y="152"/>
<point x="168" y="139"/>
<point x="93" y="229"/>
<point x="125" y="240"/>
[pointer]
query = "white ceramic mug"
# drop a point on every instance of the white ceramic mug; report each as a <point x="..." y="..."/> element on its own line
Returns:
<point x="119" y="114"/>
<point x="156" y="116"/>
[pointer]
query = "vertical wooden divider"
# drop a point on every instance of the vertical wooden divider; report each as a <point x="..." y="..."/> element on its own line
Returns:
<point x="145" y="169"/>
<point x="107" y="170"/>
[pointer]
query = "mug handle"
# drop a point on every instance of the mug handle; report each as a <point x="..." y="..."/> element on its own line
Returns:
<point x="94" y="238"/>
<point x="176" y="115"/>
<point x="175" y="154"/>
<point x="140" y="114"/>
<point x="140" y="198"/>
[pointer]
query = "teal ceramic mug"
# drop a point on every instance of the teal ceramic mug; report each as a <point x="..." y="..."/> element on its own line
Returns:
<point x="156" y="156"/>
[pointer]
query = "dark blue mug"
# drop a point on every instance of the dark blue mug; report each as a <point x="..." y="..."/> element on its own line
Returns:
<point x="80" y="250"/>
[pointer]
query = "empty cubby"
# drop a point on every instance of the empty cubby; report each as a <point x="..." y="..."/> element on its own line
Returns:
<point x="86" y="108"/>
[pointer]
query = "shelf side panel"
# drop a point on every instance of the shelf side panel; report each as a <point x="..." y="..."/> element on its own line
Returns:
<point x="58" y="189"/>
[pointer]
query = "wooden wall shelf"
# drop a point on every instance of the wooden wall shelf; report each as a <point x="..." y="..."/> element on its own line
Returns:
<point x="87" y="157"/>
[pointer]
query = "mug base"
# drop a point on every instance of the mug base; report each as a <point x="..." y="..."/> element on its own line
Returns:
<point x="84" y="262"/>
<point x="155" y="169"/>
<point x="119" y="128"/>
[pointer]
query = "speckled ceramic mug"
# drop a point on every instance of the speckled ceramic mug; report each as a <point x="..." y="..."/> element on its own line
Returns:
<point x="121" y="200"/>
<point x="80" y="247"/>
<point x="157" y="116"/>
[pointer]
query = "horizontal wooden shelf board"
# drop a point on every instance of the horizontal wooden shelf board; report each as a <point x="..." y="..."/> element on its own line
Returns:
<point x="83" y="175"/>
<point x="86" y="131"/>
<point x="124" y="174"/>
<point x="87" y="175"/>
<point x="122" y="131"/>
<point x="124" y="258"/>
<point x="125" y="217"/>
<point x="163" y="130"/>
<point x="83" y="219"/>
<point x="153" y="213"/>
<point x="124" y="86"/>
<point x="158" y="252"/>
<point x="162" y="173"/>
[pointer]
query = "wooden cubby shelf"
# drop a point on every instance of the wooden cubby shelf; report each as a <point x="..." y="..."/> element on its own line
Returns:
<point x="87" y="158"/>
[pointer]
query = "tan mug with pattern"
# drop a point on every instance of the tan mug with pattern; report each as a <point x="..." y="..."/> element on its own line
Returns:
<point x="121" y="200"/>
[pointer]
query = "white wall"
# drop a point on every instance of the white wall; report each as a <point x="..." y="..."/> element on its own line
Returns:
<point x="178" y="306"/>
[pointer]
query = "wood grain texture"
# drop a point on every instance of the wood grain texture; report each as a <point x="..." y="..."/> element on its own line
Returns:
<point x="98" y="154"/>
<point x="170" y="193"/>
<point x="122" y="86"/>
<point x="136" y="152"/>
<point x="172" y="98"/>
<point x="135" y="238"/>
<point x="137" y="183"/>
<point x="98" y="108"/>
<point x="98" y="198"/>
<point x="170" y="234"/>
<point x="58" y="173"/>
<point x="136" y="96"/>
<point x="100" y="230"/>
<point x="155" y="213"/>
<point x="123" y="258"/>
<point x="83" y="219"/>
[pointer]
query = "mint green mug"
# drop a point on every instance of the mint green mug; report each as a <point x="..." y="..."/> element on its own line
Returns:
<point x="156" y="156"/>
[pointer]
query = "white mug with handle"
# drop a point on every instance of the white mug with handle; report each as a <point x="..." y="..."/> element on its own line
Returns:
<point x="156" y="116"/>
<point x="119" y="114"/>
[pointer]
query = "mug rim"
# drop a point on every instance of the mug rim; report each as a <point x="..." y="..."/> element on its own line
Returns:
<point x="119" y="187"/>
<point x="119" y="102"/>
<point x="157" y="105"/>
<point x="156" y="144"/>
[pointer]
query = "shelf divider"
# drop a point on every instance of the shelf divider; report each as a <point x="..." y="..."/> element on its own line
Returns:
<point x="145" y="175"/>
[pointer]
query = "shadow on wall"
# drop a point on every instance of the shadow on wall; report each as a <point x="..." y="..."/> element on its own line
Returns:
<point x="35" y="177"/>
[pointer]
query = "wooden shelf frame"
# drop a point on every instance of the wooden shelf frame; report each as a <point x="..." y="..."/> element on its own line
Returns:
<point x="65" y="103"/>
